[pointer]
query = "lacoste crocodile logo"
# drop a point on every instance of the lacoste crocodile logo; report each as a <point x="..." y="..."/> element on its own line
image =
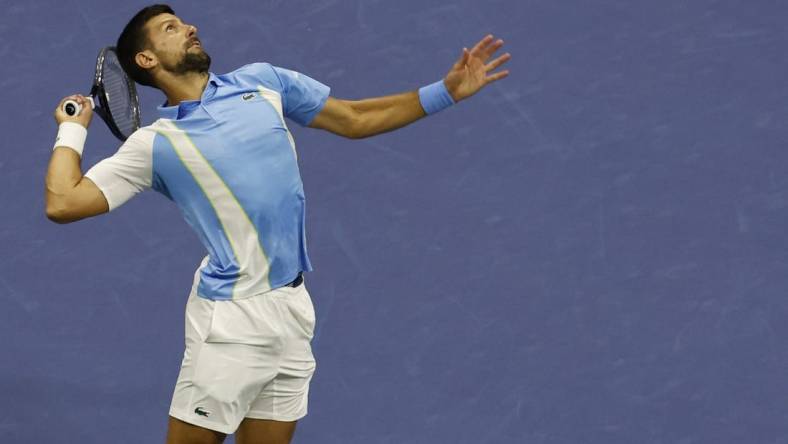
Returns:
<point x="201" y="412"/>
<point x="248" y="96"/>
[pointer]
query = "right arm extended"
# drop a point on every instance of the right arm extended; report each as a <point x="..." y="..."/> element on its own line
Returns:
<point x="69" y="195"/>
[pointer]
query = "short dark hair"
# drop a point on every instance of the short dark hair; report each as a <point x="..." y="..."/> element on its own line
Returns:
<point x="134" y="39"/>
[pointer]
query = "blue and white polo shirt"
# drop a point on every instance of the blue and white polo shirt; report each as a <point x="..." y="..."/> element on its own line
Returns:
<point x="229" y="162"/>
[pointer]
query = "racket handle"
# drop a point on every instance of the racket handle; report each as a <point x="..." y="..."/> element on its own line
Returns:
<point x="73" y="108"/>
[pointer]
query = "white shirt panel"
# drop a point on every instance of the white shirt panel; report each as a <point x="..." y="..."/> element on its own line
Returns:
<point x="127" y="172"/>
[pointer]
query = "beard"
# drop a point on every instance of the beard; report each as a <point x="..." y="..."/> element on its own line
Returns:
<point x="191" y="62"/>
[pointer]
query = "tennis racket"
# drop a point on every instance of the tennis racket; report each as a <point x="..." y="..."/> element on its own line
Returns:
<point x="113" y="96"/>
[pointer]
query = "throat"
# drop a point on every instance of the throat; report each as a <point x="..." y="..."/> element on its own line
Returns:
<point x="184" y="87"/>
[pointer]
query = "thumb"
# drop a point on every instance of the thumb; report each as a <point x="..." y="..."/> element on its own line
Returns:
<point x="463" y="59"/>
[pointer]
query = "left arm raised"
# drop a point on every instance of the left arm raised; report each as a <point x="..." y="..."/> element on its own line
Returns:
<point x="357" y="119"/>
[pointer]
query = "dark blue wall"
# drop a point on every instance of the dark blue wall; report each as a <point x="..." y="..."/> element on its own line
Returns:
<point x="591" y="251"/>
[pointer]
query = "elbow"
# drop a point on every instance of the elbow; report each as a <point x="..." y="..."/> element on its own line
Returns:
<point x="57" y="215"/>
<point x="55" y="208"/>
<point x="356" y="131"/>
<point x="356" y="126"/>
<point x="353" y="135"/>
<point x="58" y="219"/>
<point x="57" y="211"/>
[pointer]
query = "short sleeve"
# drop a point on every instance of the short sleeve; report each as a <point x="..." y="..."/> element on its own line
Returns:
<point x="302" y="97"/>
<point x="128" y="171"/>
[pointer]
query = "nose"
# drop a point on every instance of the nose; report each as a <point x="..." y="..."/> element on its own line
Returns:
<point x="192" y="30"/>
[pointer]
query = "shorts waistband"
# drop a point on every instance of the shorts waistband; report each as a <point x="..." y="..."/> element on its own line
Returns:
<point x="297" y="281"/>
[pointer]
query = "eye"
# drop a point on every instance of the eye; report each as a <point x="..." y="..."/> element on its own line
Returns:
<point x="170" y="28"/>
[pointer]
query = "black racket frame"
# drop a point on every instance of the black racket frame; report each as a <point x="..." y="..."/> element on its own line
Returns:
<point x="98" y="91"/>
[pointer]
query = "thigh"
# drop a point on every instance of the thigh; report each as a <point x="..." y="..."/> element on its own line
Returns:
<point x="285" y="397"/>
<point x="218" y="388"/>
<point x="265" y="431"/>
<point x="179" y="432"/>
<point x="231" y="354"/>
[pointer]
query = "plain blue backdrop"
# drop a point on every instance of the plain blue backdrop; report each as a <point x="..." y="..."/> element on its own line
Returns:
<point x="591" y="251"/>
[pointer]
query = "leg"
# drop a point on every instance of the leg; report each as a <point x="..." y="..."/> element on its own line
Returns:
<point x="220" y="378"/>
<point x="180" y="432"/>
<point x="264" y="431"/>
<point x="272" y="417"/>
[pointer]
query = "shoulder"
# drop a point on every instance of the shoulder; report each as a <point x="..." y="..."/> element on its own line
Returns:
<point x="253" y="73"/>
<point x="143" y="136"/>
<point x="140" y="141"/>
<point x="257" y="67"/>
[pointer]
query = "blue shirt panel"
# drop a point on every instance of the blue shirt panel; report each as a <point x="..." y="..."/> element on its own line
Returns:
<point x="172" y="179"/>
<point x="242" y="136"/>
<point x="302" y="97"/>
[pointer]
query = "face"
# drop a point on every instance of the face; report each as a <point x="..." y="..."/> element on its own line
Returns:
<point x="176" y="47"/>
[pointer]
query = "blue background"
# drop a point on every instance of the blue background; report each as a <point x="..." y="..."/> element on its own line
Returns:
<point x="591" y="251"/>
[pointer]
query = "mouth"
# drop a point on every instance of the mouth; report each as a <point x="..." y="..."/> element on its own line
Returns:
<point x="194" y="42"/>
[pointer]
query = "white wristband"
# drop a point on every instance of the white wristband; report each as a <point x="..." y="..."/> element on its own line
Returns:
<point x="71" y="135"/>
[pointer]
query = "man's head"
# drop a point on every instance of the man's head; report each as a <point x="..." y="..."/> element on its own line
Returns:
<point x="155" y="41"/>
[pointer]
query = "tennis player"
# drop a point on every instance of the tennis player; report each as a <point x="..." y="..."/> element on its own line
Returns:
<point x="222" y="152"/>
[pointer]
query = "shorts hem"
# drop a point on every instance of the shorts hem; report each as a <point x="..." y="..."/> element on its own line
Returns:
<point x="270" y="417"/>
<point x="190" y="419"/>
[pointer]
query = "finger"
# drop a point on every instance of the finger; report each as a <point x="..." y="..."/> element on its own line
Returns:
<point x="74" y="97"/>
<point x="497" y="76"/>
<point x="482" y="43"/>
<point x="497" y="62"/>
<point x="462" y="60"/>
<point x="491" y="49"/>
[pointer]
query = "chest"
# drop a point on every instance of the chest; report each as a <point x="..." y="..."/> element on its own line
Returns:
<point x="250" y="115"/>
<point x="242" y="131"/>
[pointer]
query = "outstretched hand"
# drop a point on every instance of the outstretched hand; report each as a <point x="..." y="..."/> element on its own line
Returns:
<point x="472" y="72"/>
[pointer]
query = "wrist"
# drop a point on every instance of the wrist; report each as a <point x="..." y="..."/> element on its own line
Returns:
<point x="435" y="97"/>
<point x="71" y="135"/>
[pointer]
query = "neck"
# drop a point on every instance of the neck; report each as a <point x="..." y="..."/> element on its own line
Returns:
<point x="178" y="88"/>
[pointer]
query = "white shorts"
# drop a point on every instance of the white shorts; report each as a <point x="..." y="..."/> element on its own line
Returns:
<point x="248" y="358"/>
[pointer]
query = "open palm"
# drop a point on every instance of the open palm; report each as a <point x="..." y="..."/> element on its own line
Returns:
<point x="472" y="71"/>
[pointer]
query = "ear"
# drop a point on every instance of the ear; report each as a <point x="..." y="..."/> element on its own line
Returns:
<point x="146" y="59"/>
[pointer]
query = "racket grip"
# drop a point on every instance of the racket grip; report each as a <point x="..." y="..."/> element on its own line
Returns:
<point x="73" y="108"/>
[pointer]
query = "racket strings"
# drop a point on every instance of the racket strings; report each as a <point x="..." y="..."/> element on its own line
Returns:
<point x="118" y="100"/>
<point x="120" y="96"/>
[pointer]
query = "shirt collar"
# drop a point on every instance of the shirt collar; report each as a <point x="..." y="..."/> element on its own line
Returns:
<point x="175" y="112"/>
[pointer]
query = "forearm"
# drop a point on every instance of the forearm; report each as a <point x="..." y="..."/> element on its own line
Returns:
<point x="382" y="114"/>
<point x="69" y="195"/>
<point x="357" y="119"/>
<point x="363" y="118"/>
<point x="63" y="175"/>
